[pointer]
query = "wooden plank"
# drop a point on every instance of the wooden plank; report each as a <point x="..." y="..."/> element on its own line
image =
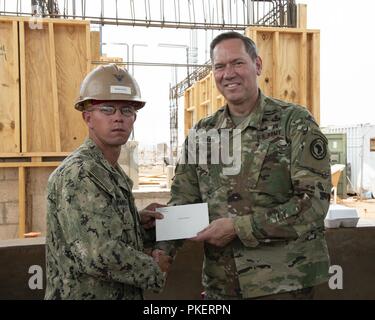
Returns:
<point x="34" y="154"/>
<point x="315" y="76"/>
<point x="283" y="30"/>
<point x="21" y="202"/>
<point x="26" y="20"/>
<point x="89" y="66"/>
<point x="52" y="164"/>
<point x="38" y="111"/>
<point x="55" y="102"/>
<point x="303" y="70"/>
<point x="95" y="45"/>
<point x="23" y="102"/>
<point x="275" y="63"/>
<point x="9" y="87"/>
<point x="187" y="118"/>
<point x="265" y="43"/>
<point x="301" y="16"/>
<point x="288" y="68"/>
<point x="72" y="64"/>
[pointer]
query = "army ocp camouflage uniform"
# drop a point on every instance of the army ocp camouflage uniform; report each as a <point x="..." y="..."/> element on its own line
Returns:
<point x="94" y="247"/>
<point x="278" y="202"/>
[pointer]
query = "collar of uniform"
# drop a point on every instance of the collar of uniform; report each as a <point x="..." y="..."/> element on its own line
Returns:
<point x="97" y="154"/>
<point x="254" y="119"/>
<point x="118" y="173"/>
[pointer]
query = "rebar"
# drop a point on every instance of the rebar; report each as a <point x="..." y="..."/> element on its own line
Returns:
<point x="189" y="14"/>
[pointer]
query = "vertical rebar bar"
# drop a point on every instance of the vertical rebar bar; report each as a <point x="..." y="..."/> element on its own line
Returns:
<point x="116" y="13"/>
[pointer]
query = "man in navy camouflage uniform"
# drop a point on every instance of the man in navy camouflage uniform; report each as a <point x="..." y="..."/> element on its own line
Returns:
<point x="94" y="246"/>
<point x="265" y="238"/>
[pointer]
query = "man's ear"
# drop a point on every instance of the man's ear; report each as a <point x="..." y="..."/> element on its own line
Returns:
<point x="258" y="63"/>
<point x="86" y="116"/>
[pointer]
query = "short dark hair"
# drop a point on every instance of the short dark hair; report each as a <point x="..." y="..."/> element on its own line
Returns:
<point x="249" y="44"/>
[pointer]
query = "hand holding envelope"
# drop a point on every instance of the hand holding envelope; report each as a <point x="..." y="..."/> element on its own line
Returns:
<point x="148" y="215"/>
<point x="219" y="233"/>
<point x="181" y="222"/>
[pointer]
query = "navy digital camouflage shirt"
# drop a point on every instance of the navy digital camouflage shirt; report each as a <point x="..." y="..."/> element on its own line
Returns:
<point x="94" y="247"/>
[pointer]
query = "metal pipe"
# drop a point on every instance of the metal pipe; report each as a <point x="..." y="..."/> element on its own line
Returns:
<point x="133" y="46"/>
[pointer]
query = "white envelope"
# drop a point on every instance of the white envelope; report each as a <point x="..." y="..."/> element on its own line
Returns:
<point x="181" y="222"/>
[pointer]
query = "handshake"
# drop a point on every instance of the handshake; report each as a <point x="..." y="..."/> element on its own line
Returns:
<point x="148" y="216"/>
<point x="164" y="261"/>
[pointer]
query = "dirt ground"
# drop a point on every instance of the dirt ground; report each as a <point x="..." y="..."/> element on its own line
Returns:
<point x="366" y="208"/>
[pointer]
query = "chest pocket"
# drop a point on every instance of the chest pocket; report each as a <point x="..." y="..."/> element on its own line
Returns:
<point x="273" y="168"/>
<point x="209" y="178"/>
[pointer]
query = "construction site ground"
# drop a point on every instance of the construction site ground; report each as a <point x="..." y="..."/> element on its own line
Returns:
<point x="152" y="177"/>
<point x="365" y="207"/>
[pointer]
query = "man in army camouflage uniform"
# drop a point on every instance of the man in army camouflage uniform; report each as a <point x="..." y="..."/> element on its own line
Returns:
<point x="94" y="246"/>
<point x="265" y="237"/>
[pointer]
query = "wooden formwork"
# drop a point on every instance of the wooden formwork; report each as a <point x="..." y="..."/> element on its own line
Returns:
<point x="54" y="60"/>
<point x="9" y="87"/>
<point x="41" y="72"/>
<point x="41" y="68"/>
<point x="191" y="102"/>
<point x="291" y="72"/>
<point x="291" y="65"/>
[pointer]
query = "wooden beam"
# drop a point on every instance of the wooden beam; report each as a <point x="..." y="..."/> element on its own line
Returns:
<point x="303" y="70"/>
<point x="24" y="144"/>
<point x="55" y="99"/>
<point x="29" y="164"/>
<point x="283" y="30"/>
<point x="16" y="89"/>
<point x="21" y="202"/>
<point x="302" y="16"/>
<point x="275" y="63"/>
<point x="315" y="76"/>
<point x="95" y="45"/>
<point x="88" y="49"/>
<point x="34" y="154"/>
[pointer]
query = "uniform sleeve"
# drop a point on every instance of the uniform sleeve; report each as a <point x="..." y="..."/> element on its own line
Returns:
<point x="98" y="239"/>
<point x="304" y="213"/>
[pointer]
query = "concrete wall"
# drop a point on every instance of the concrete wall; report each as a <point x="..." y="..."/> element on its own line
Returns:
<point x="351" y="248"/>
<point x="8" y="203"/>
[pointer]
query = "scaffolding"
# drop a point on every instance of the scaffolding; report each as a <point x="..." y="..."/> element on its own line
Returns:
<point x="188" y="14"/>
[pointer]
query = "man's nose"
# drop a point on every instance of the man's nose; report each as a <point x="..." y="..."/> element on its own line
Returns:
<point x="118" y="115"/>
<point x="229" y="71"/>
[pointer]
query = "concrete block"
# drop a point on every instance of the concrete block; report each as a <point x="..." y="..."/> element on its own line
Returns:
<point x="8" y="231"/>
<point x="8" y="191"/>
<point x="129" y="161"/>
<point x="39" y="211"/>
<point x="10" y="174"/>
<point x="11" y="212"/>
<point x="37" y="180"/>
<point x="2" y="212"/>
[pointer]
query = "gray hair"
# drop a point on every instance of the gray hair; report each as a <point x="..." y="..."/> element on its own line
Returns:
<point x="249" y="44"/>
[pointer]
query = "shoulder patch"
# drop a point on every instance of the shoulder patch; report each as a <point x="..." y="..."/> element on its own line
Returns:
<point x="318" y="149"/>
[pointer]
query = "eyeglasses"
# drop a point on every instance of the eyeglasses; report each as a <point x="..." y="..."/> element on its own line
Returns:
<point x="110" y="110"/>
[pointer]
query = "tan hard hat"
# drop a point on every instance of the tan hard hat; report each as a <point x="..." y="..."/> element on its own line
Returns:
<point x="109" y="82"/>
